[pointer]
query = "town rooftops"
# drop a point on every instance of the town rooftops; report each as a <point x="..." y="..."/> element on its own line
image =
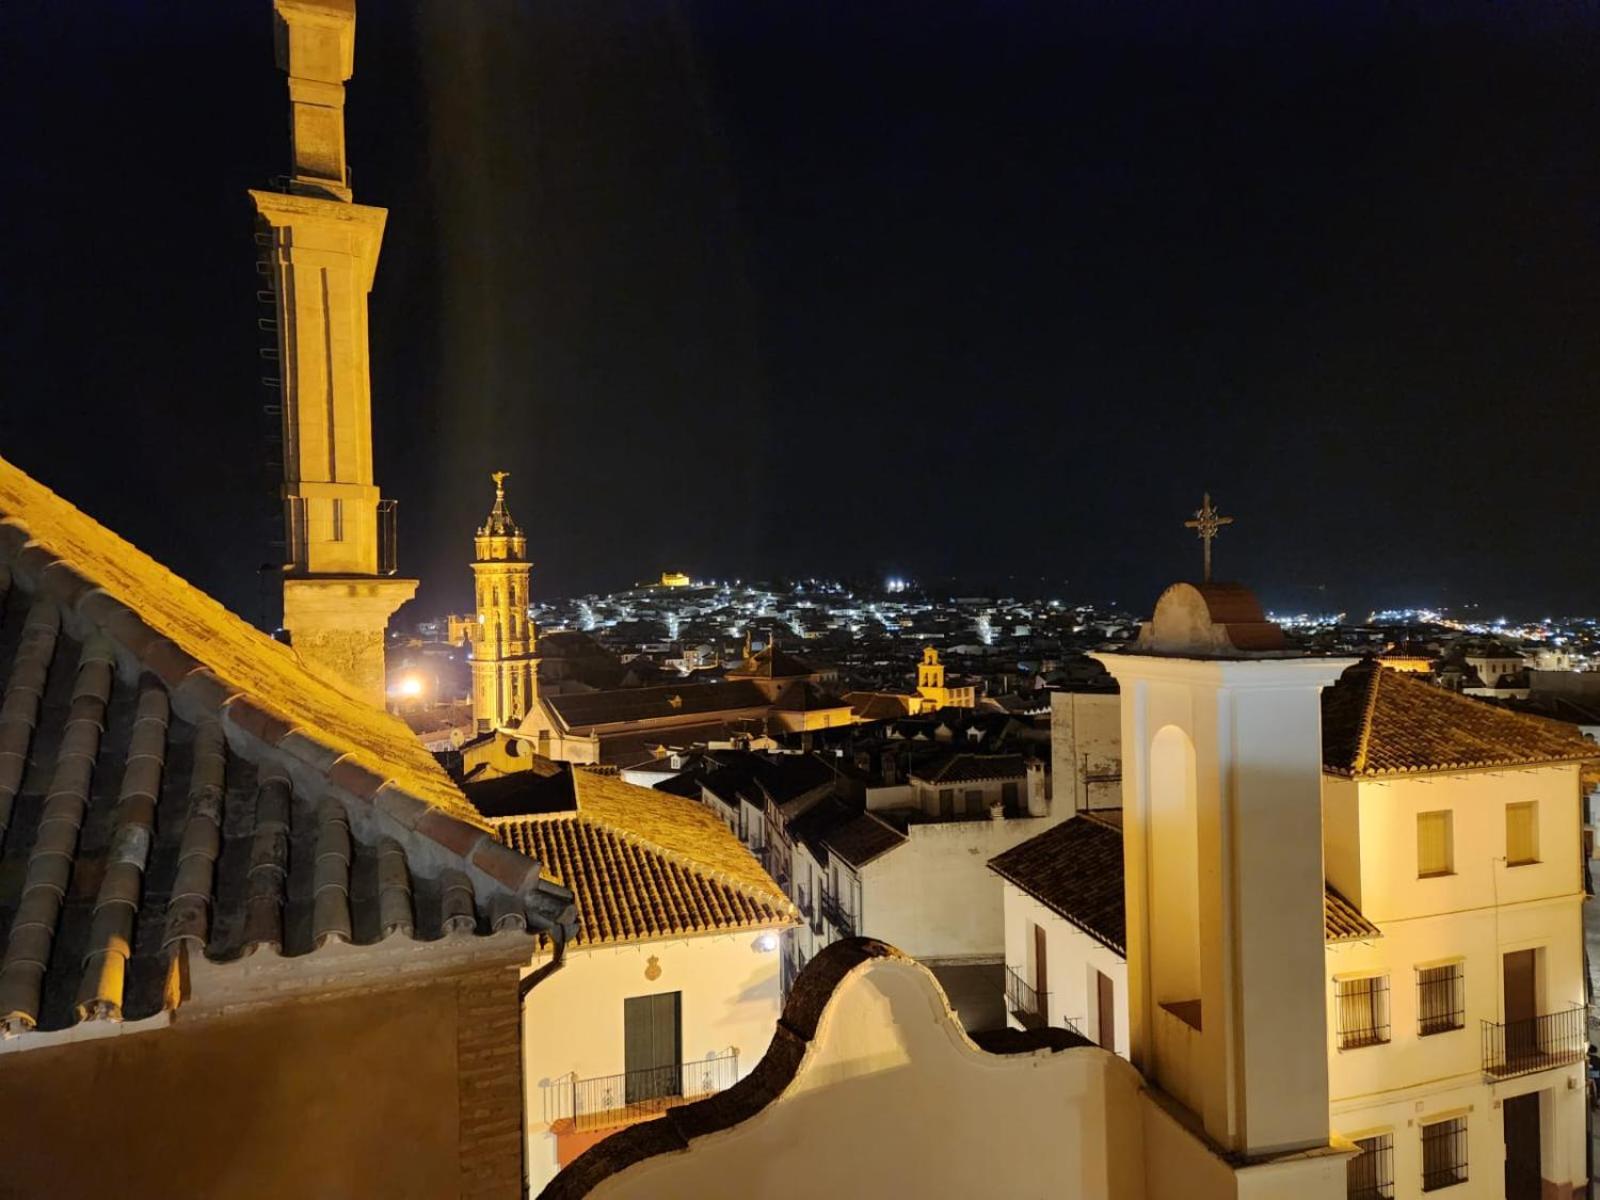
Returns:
<point x="862" y="839"/>
<point x="1075" y="870"/>
<point x="969" y="768"/>
<point x="178" y="793"/>
<point x="804" y="696"/>
<point x="643" y="865"/>
<point x="1376" y="721"/>
<point x="772" y="663"/>
<point x="587" y="710"/>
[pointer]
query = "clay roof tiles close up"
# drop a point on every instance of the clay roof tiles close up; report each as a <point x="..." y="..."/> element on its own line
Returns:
<point x="644" y="864"/>
<point x="1377" y="721"/>
<point x="176" y="788"/>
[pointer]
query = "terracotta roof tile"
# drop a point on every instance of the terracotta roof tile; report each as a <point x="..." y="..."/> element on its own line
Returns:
<point x="628" y="889"/>
<point x="1342" y="921"/>
<point x="863" y="839"/>
<point x="1376" y="721"/>
<point x="1075" y="870"/>
<point x="971" y="768"/>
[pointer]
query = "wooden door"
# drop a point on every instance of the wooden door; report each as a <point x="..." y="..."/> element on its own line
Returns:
<point x="1041" y="970"/>
<point x="652" y="1046"/>
<point x="1105" y="1011"/>
<point x="1521" y="1003"/>
<point x="1522" y="1147"/>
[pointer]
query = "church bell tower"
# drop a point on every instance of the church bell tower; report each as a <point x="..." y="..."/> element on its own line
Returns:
<point x="339" y="585"/>
<point x="505" y="667"/>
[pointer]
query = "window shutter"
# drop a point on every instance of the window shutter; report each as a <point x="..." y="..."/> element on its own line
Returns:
<point x="1433" y="843"/>
<point x="1522" y="833"/>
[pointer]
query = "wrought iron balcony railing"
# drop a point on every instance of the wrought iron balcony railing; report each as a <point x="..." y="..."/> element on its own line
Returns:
<point x="838" y="913"/>
<point x="608" y="1101"/>
<point x="1514" y="1048"/>
<point x="1026" y="1003"/>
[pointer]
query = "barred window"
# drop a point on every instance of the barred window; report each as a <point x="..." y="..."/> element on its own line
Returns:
<point x="1522" y="833"/>
<point x="1370" y="1174"/>
<point x="1441" y="999"/>
<point x="1435" y="852"/>
<point x="1362" y="1010"/>
<point x="1444" y="1154"/>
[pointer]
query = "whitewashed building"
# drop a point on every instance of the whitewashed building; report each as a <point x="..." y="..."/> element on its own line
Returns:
<point x="670" y="989"/>
<point x="1453" y="947"/>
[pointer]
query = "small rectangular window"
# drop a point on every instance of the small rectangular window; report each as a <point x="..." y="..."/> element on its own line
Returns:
<point x="1444" y="1154"/>
<point x="1522" y="833"/>
<point x="338" y="520"/>
<point x="1370" y="1174"/>
<point x="1362" y="1011"/>
<point x="1441" y="999"/>
<point x="1435" y="849"/>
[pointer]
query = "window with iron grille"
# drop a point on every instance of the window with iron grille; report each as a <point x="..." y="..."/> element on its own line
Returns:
<point x="1362" y="1008"/>
<point x="1441" y="999"/>
<point x="1444" y="1154"/>
<point x="1370" y="1174"/>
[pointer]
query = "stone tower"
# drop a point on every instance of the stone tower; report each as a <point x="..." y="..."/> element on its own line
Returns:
<point x="505" y="668"/>
<point x="339" y="588"/>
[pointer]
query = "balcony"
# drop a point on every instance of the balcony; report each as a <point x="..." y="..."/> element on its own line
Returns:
<point x="1515" y="1048"/>
<point x="611" y="1101"/>
<point x="1029" y="1006"/>
<point x="836" y="912"/>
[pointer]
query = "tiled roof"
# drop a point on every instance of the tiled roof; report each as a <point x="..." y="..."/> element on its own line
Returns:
<point x="804" y="696"/>
<point x="877" y="706"/>
<point x="1376" y="721"/>
<point x="1075" y="870"/>
<point x="863" y="839"/>
<point x="165" y="625"/>
<point x="772" y="663"/>
<point x="582" y="710"/>
<point x="156" y="809"/>
<point x="971" y="768"/>
<point x="643" y="864"/>
<point x="1342" y="921"/>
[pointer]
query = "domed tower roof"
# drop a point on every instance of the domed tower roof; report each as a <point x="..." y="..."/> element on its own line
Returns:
<point x="1211" y="620"/>
<point x="500" y="538"/>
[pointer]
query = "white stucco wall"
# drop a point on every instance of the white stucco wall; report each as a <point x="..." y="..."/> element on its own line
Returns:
<point x="891" y="1099"/>
<point x="1085" y="741"/>
<point x="1071" y="959"/>
<point x="935" y="897"/>
<point x="573" y="1022"/>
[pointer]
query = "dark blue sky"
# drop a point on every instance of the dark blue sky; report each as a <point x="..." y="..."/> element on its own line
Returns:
<point x="981" y="290"/>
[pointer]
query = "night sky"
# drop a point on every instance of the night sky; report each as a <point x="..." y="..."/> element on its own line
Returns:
<point x="982" y="291"/>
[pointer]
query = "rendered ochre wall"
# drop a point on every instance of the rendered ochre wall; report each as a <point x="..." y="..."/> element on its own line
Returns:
<point x="356" y="1095"/>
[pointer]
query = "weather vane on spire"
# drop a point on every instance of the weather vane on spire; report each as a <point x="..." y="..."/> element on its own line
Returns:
<point x="1207" y="521"/>
<point x="499" y="478"/>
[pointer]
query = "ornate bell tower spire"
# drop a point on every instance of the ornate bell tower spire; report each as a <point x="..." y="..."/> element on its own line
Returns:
<point x="339" y="588"/>
<point x="505" y="667"/>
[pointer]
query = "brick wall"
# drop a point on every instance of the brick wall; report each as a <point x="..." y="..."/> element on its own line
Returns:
<point x="489" y="1058"/>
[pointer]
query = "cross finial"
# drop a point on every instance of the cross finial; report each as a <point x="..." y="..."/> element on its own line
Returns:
<point x="1207" y="521"/>
<point x="499" y="478"/>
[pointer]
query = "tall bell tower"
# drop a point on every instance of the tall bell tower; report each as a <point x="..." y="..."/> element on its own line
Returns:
<point x="505" y="666"/>
<point x="339" y="585"/>
<point x="1222" y="849"/>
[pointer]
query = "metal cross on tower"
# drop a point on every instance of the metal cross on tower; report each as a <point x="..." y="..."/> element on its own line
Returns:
<point x="1207" y="521"/>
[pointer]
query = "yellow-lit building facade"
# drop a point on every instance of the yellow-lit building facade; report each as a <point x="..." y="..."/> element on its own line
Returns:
<point x="505" y="665"/>
<point x="931" y="684"/>
<point x="320" y="257"/>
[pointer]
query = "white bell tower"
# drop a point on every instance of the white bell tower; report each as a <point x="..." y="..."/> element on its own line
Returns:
<point x="1222" y="811"/>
